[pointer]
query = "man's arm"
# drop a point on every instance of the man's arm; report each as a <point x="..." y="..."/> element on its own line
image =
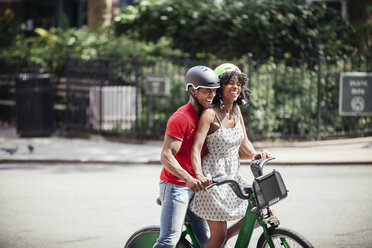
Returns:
<point x="171" y="147"/>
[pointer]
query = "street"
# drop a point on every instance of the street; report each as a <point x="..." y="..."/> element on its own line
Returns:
<point x="95" y="206"/>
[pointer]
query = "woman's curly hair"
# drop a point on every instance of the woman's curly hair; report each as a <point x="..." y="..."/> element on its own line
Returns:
<point x="225" y="79"/>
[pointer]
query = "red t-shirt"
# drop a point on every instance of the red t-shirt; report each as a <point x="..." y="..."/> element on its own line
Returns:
<point x="182" y="125"/>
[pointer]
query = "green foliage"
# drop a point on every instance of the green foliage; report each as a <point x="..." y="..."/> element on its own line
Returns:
<point x="47" y="49"/>
<point x="9" y="29"/>
<point x="360" y="13"/>
<point x="10" y="35"/>
<point x="229" y="29"/>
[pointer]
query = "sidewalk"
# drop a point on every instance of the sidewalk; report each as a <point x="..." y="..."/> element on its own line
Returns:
<point x="96" y="149"/>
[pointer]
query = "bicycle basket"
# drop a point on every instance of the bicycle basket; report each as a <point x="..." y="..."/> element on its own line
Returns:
<point x="269" y="189"/>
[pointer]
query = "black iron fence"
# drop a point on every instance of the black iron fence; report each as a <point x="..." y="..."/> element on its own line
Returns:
<point x="111" y="96"/>
<point x="291" y="98"/>
<point x="97" y="93"/>
<point x="299" y="98"/>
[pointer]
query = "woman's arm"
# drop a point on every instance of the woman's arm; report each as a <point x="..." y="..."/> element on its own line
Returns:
<point x="205" y="122"/>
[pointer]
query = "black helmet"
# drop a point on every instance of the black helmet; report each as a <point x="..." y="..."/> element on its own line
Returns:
<point x="201" y="77"/>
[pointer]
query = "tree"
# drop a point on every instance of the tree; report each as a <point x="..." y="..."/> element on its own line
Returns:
<point x="232" y="28"/>
<point x="361" y="18"/>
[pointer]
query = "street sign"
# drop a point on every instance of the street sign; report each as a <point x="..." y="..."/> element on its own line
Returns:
<point x="157" y="85"/>
<point x="355" y="97"/>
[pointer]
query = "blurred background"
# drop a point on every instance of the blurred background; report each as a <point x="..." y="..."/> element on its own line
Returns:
<point x="83" y="73"/>
<point x="116" y="67"/>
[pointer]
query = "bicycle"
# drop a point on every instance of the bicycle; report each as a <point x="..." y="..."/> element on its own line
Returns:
<point x="266" y="190"/>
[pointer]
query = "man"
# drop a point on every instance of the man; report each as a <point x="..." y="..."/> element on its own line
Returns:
<point x="178" y="180"/>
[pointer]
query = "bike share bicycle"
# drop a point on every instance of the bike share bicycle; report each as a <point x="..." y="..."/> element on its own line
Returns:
<point x="266" y="190"/>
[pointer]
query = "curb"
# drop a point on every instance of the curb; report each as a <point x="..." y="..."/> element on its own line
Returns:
<point x="318" y="163"/>
<point x="156" y="162"/>
<point x="305" y="144"/>
<point x="76" y="161"/>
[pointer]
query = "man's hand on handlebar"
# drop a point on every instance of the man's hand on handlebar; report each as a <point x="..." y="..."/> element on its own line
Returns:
<point x="195" y="185"/>
<point x="204" y="180"/>
<point x="262" y="154"/>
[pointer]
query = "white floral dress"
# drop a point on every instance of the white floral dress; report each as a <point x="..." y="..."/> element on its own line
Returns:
<point x="220" y="203"/>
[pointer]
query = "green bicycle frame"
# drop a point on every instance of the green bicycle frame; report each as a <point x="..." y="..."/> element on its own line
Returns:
<point x="248" y="225"/>
<point x="192" y="235"/>
<point x="245" y="233"/>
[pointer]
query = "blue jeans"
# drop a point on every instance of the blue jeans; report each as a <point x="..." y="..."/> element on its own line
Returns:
<point x="175" y="200"/>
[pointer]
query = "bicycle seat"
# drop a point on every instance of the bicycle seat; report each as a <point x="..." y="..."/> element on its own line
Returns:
<point x="223" y="179"/>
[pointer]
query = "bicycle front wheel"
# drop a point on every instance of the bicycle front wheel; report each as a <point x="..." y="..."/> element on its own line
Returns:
<point x="146" y="238"/>
<point x="283" y="237"/>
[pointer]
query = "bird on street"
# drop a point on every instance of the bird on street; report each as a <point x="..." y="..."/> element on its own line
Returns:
<point x="10" y="150"/>
<point x="30" y="148"/>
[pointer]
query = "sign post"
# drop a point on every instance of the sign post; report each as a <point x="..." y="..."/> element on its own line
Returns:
<point x="355" y="97"/>
<point x="157" y="85"/>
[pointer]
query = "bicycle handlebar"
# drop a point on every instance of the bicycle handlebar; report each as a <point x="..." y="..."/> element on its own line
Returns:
<point x="257" y="170"/>
<point x="223" y="179"/>
<point x="257" y="166"/>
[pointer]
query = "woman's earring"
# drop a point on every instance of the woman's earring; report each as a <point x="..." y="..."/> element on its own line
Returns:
<point x="221" y="103"/>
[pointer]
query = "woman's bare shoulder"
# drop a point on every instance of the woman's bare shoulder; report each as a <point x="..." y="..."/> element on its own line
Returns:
<point x="208" y="114"/>
<point x="209" y="111"/>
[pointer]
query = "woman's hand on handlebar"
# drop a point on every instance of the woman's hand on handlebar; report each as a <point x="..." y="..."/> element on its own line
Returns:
<point x="262" y="154"/>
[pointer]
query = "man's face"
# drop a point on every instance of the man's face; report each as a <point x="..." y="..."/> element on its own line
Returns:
<point x="205" y="96"/>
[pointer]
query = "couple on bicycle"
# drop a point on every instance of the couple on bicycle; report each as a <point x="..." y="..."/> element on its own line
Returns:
<point x="204" y="138"/>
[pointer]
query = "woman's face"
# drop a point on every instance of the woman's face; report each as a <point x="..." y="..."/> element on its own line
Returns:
<point x="231" y="91"/>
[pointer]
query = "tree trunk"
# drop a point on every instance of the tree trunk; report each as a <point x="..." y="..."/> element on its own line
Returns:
<point x="99" y="12"/>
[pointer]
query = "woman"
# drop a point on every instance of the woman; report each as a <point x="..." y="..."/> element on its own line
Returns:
<point x="222" y="127"/>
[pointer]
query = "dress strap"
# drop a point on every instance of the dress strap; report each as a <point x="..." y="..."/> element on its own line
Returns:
<point x="218" y="118"/>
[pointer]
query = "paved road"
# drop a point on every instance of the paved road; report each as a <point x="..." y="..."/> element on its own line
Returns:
<point x="58" y="206"/>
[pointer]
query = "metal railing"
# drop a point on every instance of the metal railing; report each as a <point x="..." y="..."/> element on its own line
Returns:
<point x="299" y="98"/>
<point x="291" y="98"/>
